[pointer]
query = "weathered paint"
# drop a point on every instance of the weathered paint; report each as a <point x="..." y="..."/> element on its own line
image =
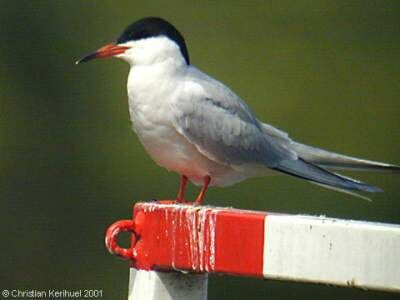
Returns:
<point x="187" y="238"/>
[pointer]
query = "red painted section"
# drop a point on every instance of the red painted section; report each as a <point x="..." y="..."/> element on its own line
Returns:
<point x="240" y="237"/>
<point x="112" y="235"/>
<point x="194" y="238"/>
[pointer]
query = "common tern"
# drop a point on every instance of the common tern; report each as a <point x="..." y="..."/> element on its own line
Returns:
<point x="194" y="125"/>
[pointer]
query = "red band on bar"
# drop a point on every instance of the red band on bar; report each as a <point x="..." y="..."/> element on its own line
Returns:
<point x="240" y="242"/>
<point x="197" y="239"/>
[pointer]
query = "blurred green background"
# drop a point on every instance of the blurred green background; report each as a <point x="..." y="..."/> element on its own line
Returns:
<point x="328" y="72"/>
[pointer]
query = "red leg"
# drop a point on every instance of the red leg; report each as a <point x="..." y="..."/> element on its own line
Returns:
<point x="182" y="188"/>
<point x="200" y="197"/>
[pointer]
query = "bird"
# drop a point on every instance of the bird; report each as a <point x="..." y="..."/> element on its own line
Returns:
<point x="194" y="125"/>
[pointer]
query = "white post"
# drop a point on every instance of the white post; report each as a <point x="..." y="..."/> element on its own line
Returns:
<point x="154" y="285"/>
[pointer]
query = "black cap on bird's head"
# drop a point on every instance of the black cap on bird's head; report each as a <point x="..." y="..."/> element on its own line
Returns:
<point x="144" y="28"/>
<point x="153" y="27"/>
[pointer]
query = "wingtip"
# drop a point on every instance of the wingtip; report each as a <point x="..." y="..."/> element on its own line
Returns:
<point x="351" y="193"/>
<point x="393" y="168"/>
<point x="371" y="188"/>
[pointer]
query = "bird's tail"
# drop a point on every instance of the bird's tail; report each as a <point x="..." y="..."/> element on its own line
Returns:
<point x="309" y="171"/>
<point x="333" y="160"/>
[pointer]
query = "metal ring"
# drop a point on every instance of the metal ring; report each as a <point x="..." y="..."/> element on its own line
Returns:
<point x="111" y="239"/>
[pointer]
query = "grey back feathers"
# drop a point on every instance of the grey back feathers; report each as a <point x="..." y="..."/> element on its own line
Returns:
<point x="223" y="128"/>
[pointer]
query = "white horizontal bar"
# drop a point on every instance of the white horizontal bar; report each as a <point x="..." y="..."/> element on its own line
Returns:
<point x="332" y="251"/>
<point x="153" y="285"/>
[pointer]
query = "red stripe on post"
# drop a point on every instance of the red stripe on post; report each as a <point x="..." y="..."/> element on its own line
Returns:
<point x="198" y="239"/>
<point x="240" y="242"/>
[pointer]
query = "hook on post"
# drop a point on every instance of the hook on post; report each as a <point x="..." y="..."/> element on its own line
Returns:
<point x="112" y="235"/>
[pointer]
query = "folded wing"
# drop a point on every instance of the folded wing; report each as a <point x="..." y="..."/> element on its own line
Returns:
<point x="223" y="128"/>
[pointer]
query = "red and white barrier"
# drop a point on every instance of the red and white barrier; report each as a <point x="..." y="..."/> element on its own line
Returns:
<point x="200" y="239"/>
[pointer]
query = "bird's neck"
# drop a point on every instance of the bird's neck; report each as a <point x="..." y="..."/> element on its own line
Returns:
<point x="156" y="74"/>
<point x="158" y="80"/>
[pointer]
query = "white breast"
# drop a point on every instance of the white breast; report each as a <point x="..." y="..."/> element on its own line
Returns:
<point x="149" y="97"/>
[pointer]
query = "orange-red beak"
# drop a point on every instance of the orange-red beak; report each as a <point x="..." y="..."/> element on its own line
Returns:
<point x="104" y="52"/>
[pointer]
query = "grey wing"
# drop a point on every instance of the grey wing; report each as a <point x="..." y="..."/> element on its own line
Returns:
<point x="223" y="128"/>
